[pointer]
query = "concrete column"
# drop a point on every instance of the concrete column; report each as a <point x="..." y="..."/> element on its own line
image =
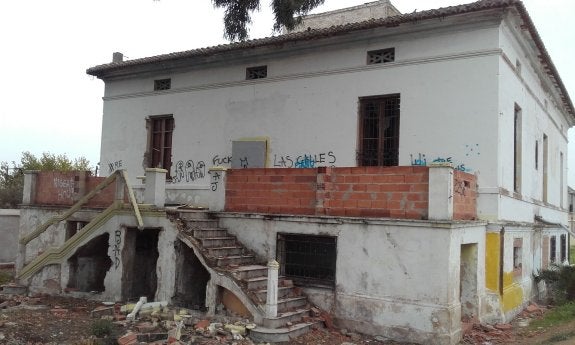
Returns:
<point x="155" y="192"/>
<point x="440" y="192"/>
<point x="29" y="193"/>
<point x="211" y="297"/>
<point x="120" y="186"/>
<point x="272" y="294"/>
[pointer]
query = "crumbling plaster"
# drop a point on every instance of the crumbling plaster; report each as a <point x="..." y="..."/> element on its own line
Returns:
<point x="391" y="277"/>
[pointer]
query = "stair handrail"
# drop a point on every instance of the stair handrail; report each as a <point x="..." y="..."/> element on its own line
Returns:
<point x="132" y="199"/>
<point x="52" y="255"/>
<point x="61" y="217"/>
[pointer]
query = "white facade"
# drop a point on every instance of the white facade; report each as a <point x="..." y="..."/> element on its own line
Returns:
<point x="472" y="93"/>
<point x="458" y="85"/>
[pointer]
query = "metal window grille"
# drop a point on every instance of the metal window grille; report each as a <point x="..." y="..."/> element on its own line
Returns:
<point x="308" y="259"/>
<point x="381" y="56"/>
<point x="162" y="128"/>
<point x="379" y="131"/>
<point x="553" y="246"/>
<point x="162" y="84"/>
<point x="258" y="72"/>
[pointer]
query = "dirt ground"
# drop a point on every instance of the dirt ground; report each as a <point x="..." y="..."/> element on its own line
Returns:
<point x="50" y="320"/>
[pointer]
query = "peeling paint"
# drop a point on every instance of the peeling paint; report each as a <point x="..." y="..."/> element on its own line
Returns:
<point x="492" y="261"/>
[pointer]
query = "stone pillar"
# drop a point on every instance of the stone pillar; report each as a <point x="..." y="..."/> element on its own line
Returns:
<point x="120" y="186"/>
<point x="155" y="192"/>
<point x="440" y="192"/>
<point x="29" y="193"/>
<point x="272" y="294"/>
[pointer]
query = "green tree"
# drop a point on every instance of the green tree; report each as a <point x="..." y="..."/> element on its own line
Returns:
<point x="12" y="175"/>
<point x="287" y="13"/>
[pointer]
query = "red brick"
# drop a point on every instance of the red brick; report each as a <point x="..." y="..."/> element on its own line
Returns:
<point x="128" y="339"/>
<point x="419" y="187"/>
<point x="363" y="203"/>
<point x="365" y="178"/>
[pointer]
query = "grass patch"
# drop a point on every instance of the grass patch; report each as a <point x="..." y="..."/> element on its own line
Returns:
<point x="5" y="277"/>
<point x="556" y="316"/>
<point x="572" y="255"/>
<point x="561" y="337"/>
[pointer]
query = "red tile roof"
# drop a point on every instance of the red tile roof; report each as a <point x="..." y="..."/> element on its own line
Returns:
<point x="102" y="71"/>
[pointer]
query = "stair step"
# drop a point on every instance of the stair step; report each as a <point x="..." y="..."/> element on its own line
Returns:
<point x="275" y="335"/>
<point x="250" y="271"/>
<point x="283" y="318"/>
<point x="283" y="292"/>
<point x="207" y="232"/>
<point x="235" y="260"/>
<point x="193" y="214"/>
<point x="287" y="304"/>
<point x="210" y="242"/>
<point x="256" y="283"/>
<point x="202" y="223"/>
<point x="226" y="251"/>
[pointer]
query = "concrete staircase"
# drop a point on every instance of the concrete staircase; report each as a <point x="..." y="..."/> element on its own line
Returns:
<point x="224" y="253"/>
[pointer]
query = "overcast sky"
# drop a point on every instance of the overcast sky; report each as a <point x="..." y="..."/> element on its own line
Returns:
<point x="49" y="104"/>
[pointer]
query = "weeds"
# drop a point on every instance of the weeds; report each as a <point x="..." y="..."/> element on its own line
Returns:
<point x="556" y="316"/>
<point x="5" y="277"/>
<point x="560" y="280"/>
<point x="102" y="328"/>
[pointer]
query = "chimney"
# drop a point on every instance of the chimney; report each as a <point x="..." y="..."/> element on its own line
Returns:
<point x="117" y="57"/>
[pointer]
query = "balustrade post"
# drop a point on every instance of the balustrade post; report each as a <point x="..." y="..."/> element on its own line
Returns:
<point x="272" y="290"/>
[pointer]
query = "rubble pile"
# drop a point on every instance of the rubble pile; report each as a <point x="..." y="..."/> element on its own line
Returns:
<point x="476" y="333"/>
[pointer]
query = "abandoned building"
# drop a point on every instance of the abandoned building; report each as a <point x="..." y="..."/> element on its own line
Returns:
<point x="406" y="171"/>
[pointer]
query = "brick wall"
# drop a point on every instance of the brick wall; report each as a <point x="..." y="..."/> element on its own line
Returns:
<point x="464" y="196"/>
<point x="66" y="188"/>
<point x="396" y="192"/>
<point x="284" y="190"/>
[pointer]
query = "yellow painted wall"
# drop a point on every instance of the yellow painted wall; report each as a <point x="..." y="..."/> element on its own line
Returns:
<point x="492" y="261"/>
<point x="512" y="292"/>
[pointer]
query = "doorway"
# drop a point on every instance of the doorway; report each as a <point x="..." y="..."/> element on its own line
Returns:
<point x="468" y="281"/>
<point x="140" y="257"/>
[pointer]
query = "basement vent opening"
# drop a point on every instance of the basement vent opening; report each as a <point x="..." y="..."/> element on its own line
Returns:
<point x="307" y="259"/>
<point x="258" y="72"/>
<point x="380" y="56"/>
<point x="162" y="84"/>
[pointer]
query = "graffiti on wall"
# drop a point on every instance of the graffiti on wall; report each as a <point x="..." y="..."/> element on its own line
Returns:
<point x="420" y="160"/>
<point x="114" y="166"/>
<point x="65" y="187"/>
<point x="189" y="171"/>
<point x="305" y="160"/>
<point x="117" y="243"/>
<point x="460" y="187"/>
<point x="215" y="178"/>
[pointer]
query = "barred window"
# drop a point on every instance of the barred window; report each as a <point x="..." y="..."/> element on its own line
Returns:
<point x="159" y="151"/>
<point x="258" y="72"/>
<point x="379" y="131"/>
<point x="162" y="84"/>
<point x="380" y="56"/>
<point x="308" y="259"/>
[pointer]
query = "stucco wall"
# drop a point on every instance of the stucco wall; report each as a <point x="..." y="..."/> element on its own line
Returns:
<point x="9" y="220"/>
<point x="383" y="270"/>
<point x="524" y="86"/>
<point x="308" y="104"/>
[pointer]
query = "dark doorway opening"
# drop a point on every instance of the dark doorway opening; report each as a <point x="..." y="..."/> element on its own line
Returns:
<point x="140" y="257"/>
<point x="191" y="279"/>
<point x="88" y="266"/>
